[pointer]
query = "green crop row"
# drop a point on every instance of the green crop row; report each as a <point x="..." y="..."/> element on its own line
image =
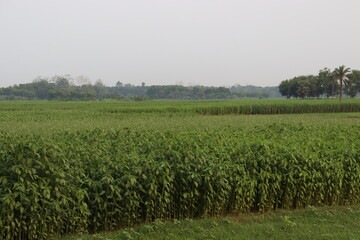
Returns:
<point x="102" y="180"/>
<point x="217" y="107"/>
<point x="279" y="108"/>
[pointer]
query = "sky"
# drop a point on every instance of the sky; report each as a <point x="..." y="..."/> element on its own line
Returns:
<point x="187" y="42"/>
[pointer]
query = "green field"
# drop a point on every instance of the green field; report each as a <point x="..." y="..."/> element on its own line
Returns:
<point x="44" y="117"/>
<point x="72" y="167"/>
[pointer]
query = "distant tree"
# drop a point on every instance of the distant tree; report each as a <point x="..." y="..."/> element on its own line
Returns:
<point x="63" y="87"/>
<point x="328" y="82"/>
<point x="316" y="88"/>
<point x="301" y="86"/>
<point x="353" y="86"/>
<point x="119" y="84"/>
<point x="198" y="92"/>
<point x="341" y="74"/>
<point x="100" y="89"/>
<point x="303" y="89"/>
<point x="42" y="87"/>
<point x="285" y="88"/>
<point x="354" y="77"/>
<point x="63" y="82"/>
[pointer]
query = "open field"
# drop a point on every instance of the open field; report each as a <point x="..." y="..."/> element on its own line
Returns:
<point x="100" y="166"/>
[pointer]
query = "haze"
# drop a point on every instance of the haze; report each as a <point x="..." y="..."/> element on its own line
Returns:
<point x="189" y="42"/>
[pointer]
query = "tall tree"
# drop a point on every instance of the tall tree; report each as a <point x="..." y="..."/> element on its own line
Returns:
<point x="341" y="73"/>
<point x="329" y="83"/>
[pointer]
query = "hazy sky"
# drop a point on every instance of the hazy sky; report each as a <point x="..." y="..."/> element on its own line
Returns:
<point x="189" y="42"/>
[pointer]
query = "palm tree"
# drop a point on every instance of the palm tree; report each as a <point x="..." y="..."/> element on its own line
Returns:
<point x="341" y="74"/>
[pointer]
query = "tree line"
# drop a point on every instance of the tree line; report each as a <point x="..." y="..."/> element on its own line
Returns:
<point x="326" y="83"/>
<point x="63" y="88"/>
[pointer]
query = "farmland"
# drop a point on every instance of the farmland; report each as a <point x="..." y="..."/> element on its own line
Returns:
<point x="70" y="167"/>
<point x="44" y="117"/>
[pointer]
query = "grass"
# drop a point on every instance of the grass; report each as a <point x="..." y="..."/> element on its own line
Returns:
<point x="311" y="223"/>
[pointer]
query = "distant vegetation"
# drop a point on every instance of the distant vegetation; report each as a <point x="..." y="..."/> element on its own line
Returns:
<point x="63" y="88"/>
<point x="327" y="83"/>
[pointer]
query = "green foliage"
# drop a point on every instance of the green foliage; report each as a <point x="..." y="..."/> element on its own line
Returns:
<point x="181" y="92"/>
<point x="43" y="117"/>
<point x="279" y="108"/>
<point x="62" y="88"/>
<point x="191" y="164"/>
<point x="40" y="190"/>
<point x="341" y="74"/>
<point x="353" y="84"/>
<point x="105" y="179"/>
<point x="328" y="83"/>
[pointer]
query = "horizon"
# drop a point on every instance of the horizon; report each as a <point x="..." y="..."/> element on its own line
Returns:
<point x="190" y="43"/>
<point x="74" y="83"/>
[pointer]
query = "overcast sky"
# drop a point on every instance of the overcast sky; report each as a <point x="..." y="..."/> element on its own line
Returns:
<point x="189" y="42"/>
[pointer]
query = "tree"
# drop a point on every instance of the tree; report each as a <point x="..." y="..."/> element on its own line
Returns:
<point x="316" y="88"/>
<point x="42" y="87"/>
<point x="303" y="89"/>
<point x="100" y="89"/>
<point x="285" y="88"/>
<point x="62" y="82"/>
<point x="341" y="74"/>
<point x="328" y="82"/>
<point x="301" y="86"/>
<point x="353" y="86"/>
<point x="119" y="84"/>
